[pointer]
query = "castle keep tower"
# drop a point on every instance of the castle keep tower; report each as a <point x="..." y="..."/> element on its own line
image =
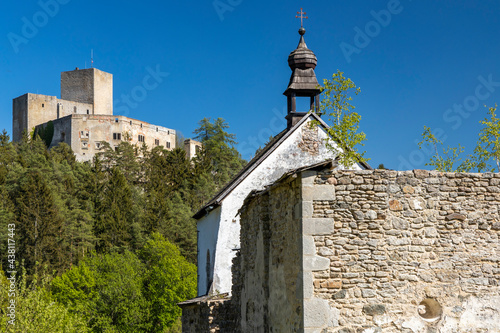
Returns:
<point x="303" y="82"/>
<point x="90" y="86"/>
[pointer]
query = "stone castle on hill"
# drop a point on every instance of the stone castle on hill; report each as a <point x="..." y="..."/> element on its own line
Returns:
<point x="83" y="117"/>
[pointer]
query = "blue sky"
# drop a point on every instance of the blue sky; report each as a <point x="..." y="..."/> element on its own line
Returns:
<point x="433" y="63"/>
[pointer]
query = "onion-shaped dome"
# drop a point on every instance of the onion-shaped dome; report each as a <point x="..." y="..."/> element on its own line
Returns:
<point x="302" y="57"/>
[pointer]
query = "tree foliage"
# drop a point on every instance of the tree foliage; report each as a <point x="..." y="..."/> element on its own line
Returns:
<point x="448" y="158"/>
<point x="170" y="280"/>
<point x="129" y="293"/>
<point x="487" y="151"/>
<point x="218" y="144"/>
<point x="344" y="137"/>
<point x="486" y="154"/>
<point x="36" y="310"/>
<point x="117" y="233"/>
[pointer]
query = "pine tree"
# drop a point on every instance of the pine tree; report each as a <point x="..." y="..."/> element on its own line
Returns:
<point x="39" y="225"/>
<point x="218" y="145"/>
<point x="116" y="216"/>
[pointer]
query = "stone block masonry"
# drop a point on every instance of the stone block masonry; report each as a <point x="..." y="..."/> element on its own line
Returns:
<point x="412" y="251"/>
<point x="364" y="252"/>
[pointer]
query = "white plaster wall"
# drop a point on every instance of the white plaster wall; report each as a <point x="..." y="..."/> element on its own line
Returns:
<point x="286" y="157"/>
<point x="208" y="227"/>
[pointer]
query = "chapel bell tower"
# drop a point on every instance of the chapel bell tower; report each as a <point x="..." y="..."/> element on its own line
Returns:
<point x="303" y="82"/>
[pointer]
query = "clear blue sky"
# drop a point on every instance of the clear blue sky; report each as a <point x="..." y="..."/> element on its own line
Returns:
<point x="418" y="66"/>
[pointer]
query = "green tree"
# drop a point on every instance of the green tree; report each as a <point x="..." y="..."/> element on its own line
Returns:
<point x="218" y="146"/>
<point x="37" y="310"/>
<point x="487" y="150"/>
<point x="107" y="290"/>
<point x="116" y="223"/>
<point x="343" y="133"/>
<point x="39" y="224"/>
<point x="447" y="160"/>
<point x="170" y="279"/>
<point x="168" y="195"/>
<point x="8" y="155"/>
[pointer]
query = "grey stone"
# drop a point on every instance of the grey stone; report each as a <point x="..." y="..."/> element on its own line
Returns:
<point x="374" y="309"/>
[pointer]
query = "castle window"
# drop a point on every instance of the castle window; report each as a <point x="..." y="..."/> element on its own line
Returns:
<point x="131" y="123"/>
<point x="168" y="144"/>
<point x="85" y="145"/>
<point x="157" y="129"/>
<point x="117" y="136"/>
<point x="43" y="105"/>
<point x="168" y="132"/>
<point x="141" y="138"/>
<point x="141" y="125"/>
<point x="157" y="142"/>
<point x="74" y="109"/>
<point x="87" y="111"/>
<point x="116" y="120"/>
<point x="97" y="145"/>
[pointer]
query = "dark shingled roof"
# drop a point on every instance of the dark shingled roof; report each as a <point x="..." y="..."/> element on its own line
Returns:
<point x="255" y="162"/>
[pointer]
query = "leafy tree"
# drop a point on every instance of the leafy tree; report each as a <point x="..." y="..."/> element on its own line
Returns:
<point x="447" y="160"/>
<point x="487" y="149"/>
<point x="488" y="145"/>
<point x="36" y="309"/>
<point x="170" y="279"/>
<point x="343" y="133"/>
<point x="107" y="291"/>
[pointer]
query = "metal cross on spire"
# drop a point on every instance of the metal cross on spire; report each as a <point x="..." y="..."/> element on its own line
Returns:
<point x="302" y="17"/>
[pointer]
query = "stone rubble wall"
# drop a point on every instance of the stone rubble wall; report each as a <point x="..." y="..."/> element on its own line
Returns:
<point x="268" y="290"/>
<point x="412" y="251"/>
<point x="364" y="252"/>
<point x="217" y="315"/>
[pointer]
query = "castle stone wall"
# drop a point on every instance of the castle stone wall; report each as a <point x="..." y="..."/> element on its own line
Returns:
<point x="87" y="133"/>
<point x="19" y="116"/>
<point x="31" y="110"/>
<point x="90" y="86"/>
